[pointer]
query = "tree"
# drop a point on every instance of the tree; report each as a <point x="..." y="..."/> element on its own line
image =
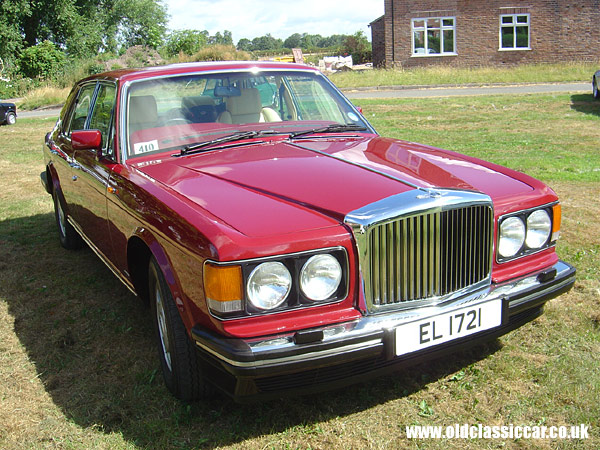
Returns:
<point x="244" y="45"/>
<point x="186" y="41"/>
<point x="266" y="42"/>
<point x="143" y="22"/>
<point x="221" y="39"/>
<point x="311" y="40"/>
<point x="294" y="41"/>
<point x="81" y="27"/>
<point x="12" y="14"/>
<point x="359" y="47"/>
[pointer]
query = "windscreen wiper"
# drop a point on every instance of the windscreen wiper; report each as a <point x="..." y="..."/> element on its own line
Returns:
<point x="199" y="146"/>
<point x="333" y="128"/>
<point x="237" y="136"/>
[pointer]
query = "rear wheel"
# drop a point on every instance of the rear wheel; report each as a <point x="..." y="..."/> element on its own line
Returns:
<point x="11" y="119"/>
<point x="67" y="235"/>
<point x="177" y="354"/>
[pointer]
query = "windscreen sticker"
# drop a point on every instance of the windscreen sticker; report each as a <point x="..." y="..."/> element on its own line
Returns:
<point x="145" y="147"/>
<point x="353" y="117"/>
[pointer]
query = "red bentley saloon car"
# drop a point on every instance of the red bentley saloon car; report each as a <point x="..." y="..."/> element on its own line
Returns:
<point x="283" y="245"/>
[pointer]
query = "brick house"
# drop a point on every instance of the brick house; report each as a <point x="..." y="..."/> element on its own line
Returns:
<point x="485" y="32"/>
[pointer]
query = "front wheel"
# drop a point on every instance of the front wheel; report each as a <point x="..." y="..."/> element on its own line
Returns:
<point x="11" y="119"/>
<point x="177" y="354"/>
<point x="595" y="88"/>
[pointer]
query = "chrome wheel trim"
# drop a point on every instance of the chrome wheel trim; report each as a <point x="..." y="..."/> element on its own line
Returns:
<point x="11" y="119"/>
<point x="162" y="328"/>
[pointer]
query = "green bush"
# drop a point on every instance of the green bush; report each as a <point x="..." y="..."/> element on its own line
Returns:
<point x="220" y="53"/>
<point x="184" y="41"/>
<point x="359" y="47"/>
<point x="43" y="61"/>
<point x="16" y="87"/>
<point x="95" y="67"/>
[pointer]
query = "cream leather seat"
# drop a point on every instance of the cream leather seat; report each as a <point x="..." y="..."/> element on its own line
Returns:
<point x="143" y="113"/>
<point x="247" y="108"/>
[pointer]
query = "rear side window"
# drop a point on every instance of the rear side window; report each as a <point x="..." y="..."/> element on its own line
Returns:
<point x="80" y="111"/>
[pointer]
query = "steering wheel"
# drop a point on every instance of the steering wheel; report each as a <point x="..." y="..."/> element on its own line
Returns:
<point x="177" y="121"/>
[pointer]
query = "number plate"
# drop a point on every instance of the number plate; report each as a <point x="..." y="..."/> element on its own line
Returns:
<point x="448" y="326"/>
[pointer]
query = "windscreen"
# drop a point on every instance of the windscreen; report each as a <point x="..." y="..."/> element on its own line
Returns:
<point x="170" y="112"/>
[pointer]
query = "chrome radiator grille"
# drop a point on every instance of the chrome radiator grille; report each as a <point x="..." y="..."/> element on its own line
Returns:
<point x="425" y="255"/>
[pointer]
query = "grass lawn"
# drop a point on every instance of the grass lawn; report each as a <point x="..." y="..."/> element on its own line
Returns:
<point x="77" y="360"/>
<point x="445" y="75"/>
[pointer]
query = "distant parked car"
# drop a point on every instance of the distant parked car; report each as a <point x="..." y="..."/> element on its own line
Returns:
<point x="595" y="84"/>
<point x="283" y="245"/>
<point x="8" y="113"/>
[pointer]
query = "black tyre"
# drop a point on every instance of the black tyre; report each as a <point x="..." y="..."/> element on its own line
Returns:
<point x="11" y="119"/>
<point x="595" y="88"/>
<point x="177" y="354"/>
<point x="67" y="235"/>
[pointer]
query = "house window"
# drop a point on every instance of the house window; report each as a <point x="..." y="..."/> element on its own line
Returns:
<point x="514" y="32"/>
<point x="434" y="36"/>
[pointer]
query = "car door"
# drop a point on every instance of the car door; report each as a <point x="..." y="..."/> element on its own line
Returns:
<point x="93" y="170"/>
<point x="66" y="166"/>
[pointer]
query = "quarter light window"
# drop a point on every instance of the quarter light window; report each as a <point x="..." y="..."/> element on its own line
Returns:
<point x="514" y="32"/>
<point x="434" y="36"/>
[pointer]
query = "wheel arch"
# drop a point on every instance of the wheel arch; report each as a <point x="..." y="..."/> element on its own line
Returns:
<point x="141" y="247"/>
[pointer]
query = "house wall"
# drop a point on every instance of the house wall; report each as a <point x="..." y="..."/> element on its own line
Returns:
<point x="378" y="41"/>
<point x="560" y="31"/>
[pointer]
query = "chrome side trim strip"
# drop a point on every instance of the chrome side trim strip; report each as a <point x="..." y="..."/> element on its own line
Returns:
<point x="102" y="257"/>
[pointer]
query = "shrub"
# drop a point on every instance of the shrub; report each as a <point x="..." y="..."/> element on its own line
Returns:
<point x="43" y="61"/>
<point x="220" y="53"/>
<point x="184" y="41"/>
<point x="359" y="47"/>
<point x="95" y="67"/>
<point x="15" y="87"/>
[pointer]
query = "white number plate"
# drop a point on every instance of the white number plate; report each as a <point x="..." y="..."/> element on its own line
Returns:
<point x="448" y="326"/>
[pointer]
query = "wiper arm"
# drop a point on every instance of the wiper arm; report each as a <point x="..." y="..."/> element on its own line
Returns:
<point x="192" y="148"/>
<point x="238" y="136"/>
<point x="333" y="128"/>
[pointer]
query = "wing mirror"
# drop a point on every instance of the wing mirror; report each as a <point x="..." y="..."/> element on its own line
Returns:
<point x="87" y="140"/>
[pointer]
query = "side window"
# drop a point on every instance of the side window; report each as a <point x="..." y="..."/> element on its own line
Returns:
<point x="81" y="109"/>
<point x="102" y="115"/>
<point x="514" y="32"/>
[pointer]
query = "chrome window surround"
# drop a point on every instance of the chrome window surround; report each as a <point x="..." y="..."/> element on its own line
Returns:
<point x="416" y="204"/>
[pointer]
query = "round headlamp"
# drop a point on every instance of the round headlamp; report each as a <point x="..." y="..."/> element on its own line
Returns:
<point x="320" y="277"/>
<point x="512" y="236"/>
<point x="268" y="285"/>
<point x="539" y="227"/>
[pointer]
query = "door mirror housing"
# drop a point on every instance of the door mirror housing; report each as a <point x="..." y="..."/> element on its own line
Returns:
<point x="87" y="140"/>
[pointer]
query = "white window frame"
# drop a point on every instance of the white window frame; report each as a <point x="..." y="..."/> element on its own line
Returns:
<point x="441" y="28"/>
<point x="514" y="25"/>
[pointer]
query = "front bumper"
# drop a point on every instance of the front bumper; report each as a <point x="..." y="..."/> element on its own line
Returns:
<point x="338" y="355"/>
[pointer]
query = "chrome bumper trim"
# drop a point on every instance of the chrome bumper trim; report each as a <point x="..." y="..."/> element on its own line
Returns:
<point x="367" y="333"/>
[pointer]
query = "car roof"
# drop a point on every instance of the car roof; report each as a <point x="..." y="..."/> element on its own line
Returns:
<point x="183" y="68"/>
